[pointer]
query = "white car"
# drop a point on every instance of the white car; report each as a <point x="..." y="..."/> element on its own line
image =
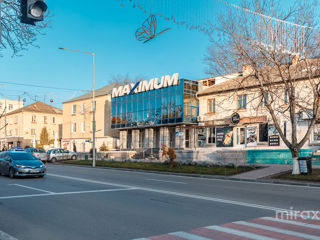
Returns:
<point x="60" y="154"/>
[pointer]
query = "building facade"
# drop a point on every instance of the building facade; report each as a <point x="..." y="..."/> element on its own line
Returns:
<point x="24" y="125"/>
<point x="236" y="117"/>
<point x="151" y="113"/>
<point x="7" y="105"/>
<point x="77" y="122"/>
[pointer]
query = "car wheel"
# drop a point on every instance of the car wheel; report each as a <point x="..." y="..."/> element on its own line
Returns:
<point x="74" y="157"/>
<point x="11" y="173"/>
<point x="53" y="160"/>
<point x="41" y="176"/>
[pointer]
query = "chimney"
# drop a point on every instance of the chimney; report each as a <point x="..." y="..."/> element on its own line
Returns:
<point x="295" y="59"/>
<point x="247" y="70"/>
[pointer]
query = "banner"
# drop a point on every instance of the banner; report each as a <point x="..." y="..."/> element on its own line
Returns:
<point x="251" y="136"/>
<point x="224" y="137"/>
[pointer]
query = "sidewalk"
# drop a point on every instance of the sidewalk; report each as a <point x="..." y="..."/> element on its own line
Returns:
<point x="265" y="171"/>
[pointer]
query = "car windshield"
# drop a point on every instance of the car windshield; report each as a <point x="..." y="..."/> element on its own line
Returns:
<point x="40" y="150"/>
<point x="22" y="156"/>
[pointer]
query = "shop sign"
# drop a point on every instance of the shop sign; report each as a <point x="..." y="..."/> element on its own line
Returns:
<point x="235" y="118"/>
<point x="144" y="86"/>
<point x="274" y="140"/>
<point x="224" y="137"/>
<point x="202" y="134"/>
<point x="258" y="119"/>
<point x="251" y="136"/>
<point x="273" y="136"/>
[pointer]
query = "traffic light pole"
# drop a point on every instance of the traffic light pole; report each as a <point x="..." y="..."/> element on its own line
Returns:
<point x="93" y="105"/>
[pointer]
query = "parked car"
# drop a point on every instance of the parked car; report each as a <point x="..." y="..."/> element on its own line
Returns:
<point x="38" y="153"/>
<point x="16" y="163"/>
<point x="16" y="150"/>
<point x="60" y="154"/>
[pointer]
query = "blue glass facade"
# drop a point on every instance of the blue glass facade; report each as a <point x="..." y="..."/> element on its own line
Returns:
<point x="170" y="105"/>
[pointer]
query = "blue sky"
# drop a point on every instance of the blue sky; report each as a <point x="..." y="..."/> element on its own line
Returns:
<point x="108" y="29"/>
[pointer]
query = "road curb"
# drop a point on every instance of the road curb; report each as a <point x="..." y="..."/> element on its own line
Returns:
<point x="262" y="180"/>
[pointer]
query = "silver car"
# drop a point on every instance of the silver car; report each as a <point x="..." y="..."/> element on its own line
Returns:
<point x="39" y="153"/>
<point x="60" y="154"/>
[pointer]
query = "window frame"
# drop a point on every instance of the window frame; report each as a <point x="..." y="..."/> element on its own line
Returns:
<point x="242" y="99"/>
<point x="211" y="105"/>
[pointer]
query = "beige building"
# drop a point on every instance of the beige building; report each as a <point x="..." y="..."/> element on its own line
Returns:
<point x="11" y="105"/>
<point x="24" y="125"/>
<point x="239" y="98"/>
<point x="77" y="121"/>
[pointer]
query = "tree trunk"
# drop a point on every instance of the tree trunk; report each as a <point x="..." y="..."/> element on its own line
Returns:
<point x="295" y="162"/>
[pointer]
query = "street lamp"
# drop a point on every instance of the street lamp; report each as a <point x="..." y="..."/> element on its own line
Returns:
<point x="93" y="106"/>
<point x="5" y="110"/>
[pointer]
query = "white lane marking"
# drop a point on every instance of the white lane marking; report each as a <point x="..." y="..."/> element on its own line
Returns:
<point x="66" y="193"/>
<point x="240" y="233"/>
<point x="292" y="222"/>
<point x="188" y="236"/>
<point x="212" y="199"/>
<point x="158" y="180"/>
<point x="5" y="236"/>
<point x="37" y="189"/>
<point x="200" y="178"/>
<point x="279" y="230"/>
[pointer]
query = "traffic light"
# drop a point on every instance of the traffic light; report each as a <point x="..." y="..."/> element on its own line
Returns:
<point x="32" y="11"/>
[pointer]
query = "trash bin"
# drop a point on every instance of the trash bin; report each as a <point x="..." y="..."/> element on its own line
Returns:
<point x="305" y="165"/>
<point x="86" y="157"/>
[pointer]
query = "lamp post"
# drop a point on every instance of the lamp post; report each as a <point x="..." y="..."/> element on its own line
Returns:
<point x="5" y="110"/>
<point x="93" y="105"/>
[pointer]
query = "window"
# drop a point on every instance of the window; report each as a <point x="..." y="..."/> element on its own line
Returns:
<point x="242" y="101"/>
<point x="285" y="100"/>
<point x="82" y="127"/>
<point x="285" y="128"/>
<point x="45" y="119"/>
<point x="74" y="109"/>
<point x="265" y="99"/>
<point x="83" y="110"/>
<point x="73" y="127"/>
<point x="211" y="135"/>
<point x="263" y="132"/>
<point x="53" y="120"/>
<point x="211" y="106"/>
<point x="316" y="133"/>
<point x="17" y="118"/>
<point x="10" y="133"/>
<point x="10" y="106"/>
<point x="33" y="132"/>
<point x="34" y="119"/>
<point x="53" y="133"/>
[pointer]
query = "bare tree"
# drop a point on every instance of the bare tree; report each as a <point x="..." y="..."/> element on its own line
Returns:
<point x="280" y="49"/>
<point x="125" y="79"/>
<point x="15" y="35"/>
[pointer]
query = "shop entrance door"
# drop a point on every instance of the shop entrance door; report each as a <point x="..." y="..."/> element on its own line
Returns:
<point x="241" y="136"/>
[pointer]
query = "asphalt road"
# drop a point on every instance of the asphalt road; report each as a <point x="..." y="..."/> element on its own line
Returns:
<point x="84" y="203"/>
